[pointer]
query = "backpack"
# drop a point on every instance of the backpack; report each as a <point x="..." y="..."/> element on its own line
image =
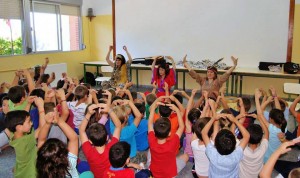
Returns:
<point x="291" y="68"/>
<point x="90" y="78"/>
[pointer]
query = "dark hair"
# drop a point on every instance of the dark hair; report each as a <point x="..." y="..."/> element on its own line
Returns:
<point x="122" y="58"/>
<point x="164" y="111"/>
<point x="38" y="92"/>
<point x="214" y="69"/>
<point x="164" y="66"/>
<point x="14" y="118"/>
<point x="80" y="92"/>
<point x="37" y="70"/>
<point x="193" y="115"/>
<point x="134" y="94"/>
<point x="52" y="159"/>
<point x="60" y="84"/>
<point x="118" y="154"/>
<point x="178" y="97"/>
<point x="49" y="107"/>
<point x="282" y="105"/>
<point x="115" y="98"/>
<point x="246" y="102"/>
<point x="97" y="134"/>
<point x="199" y="125"/>
<point x="162" y="128"/>
<point x="2" y="98"/>
<point x="16" y="93"/>
<point x="150" y="98"/>
<point x="22" y="81"/>
<point x="256" y="133"/>
<point x="44" y="78"/>
<point x="225" y="142"/>
<point x="141" y="107"/>
<point x="224" y="122"/>
<point x="277" y="116"/>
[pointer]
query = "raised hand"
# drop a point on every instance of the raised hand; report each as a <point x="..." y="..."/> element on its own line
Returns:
<point x="111" y="47"/>
<point x="125" y="48"/>
<point x="234" y="60"/>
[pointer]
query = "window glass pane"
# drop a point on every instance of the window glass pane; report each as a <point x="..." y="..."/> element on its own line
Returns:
<point x="44" y="21"/>
<point x="70" y="32"/>
<point x="10" y="36"/>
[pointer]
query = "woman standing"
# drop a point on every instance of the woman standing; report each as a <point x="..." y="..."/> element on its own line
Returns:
<point x="211" y="83"/>
<point x="120" y="74"/>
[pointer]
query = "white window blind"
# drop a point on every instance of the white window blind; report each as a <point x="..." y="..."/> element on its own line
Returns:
<point x="69" y="10"/>
<point x="10" y="9"/>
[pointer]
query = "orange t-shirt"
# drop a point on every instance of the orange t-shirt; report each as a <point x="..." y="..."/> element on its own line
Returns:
<point x="173" y="119"/>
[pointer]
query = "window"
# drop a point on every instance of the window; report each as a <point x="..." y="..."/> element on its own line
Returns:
<point x="44" y="27"/>
<point x="11" y="27"/>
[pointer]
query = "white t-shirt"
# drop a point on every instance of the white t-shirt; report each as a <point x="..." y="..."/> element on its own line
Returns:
<point x="201" y="160"/>
<point x="253" y="160"/>
<point x="78" y="112"/>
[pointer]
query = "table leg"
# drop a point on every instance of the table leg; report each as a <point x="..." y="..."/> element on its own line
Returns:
<point x="183" y="81"/>
<point x="232" y="85"/>
<point x="176" y="85"/>
<point x="137" y="77"/>
<point x="241" y="85"/>
<point x="84" y="75"/>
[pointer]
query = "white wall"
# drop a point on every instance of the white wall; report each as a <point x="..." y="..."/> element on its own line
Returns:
<point x="205" y="29"/>
<point x="100" y="7"/>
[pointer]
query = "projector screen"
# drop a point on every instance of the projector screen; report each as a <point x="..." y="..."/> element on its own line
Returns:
<point x="253" y="31"/>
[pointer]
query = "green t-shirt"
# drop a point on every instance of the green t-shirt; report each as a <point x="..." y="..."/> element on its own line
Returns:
<point x="12" y="106"/>
<point x="147" y="111"/>
<point x="26" y="153"/>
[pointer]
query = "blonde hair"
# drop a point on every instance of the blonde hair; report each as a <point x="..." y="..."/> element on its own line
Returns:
<point x="119" y="110"/>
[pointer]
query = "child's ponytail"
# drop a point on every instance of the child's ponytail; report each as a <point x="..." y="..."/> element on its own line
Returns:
<point x="283" y="125"/>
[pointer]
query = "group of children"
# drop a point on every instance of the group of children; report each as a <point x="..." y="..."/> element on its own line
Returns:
<point x="132" y="134"/>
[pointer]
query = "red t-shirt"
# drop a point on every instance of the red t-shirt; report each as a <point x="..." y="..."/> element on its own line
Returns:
<point x="163" y="156"/>
<point x="123" y="173"/>
<point x="98" y="162"/>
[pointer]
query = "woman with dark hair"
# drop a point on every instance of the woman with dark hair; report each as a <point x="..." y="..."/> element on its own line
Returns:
<point x="120" y="74"/>
<point x="211" y="83"/>
<point x="163" y="76"/>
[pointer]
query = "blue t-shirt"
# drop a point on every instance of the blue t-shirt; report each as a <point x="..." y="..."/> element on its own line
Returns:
<point x="223" y="165"/>
<point x="127" y="135"/>
<point x="274" y="141"/>
<point x="141" y="136"/>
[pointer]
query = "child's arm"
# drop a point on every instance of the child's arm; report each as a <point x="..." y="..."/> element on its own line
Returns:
<point x="39" y="102"/>
<point x="259" y="109"/>
<point x="70" y="133"/>
<point x="154" y="85"/>
<point x="180" y="121"/>
<point x="90" y="96"/>
<point x="154" y="62"/>
<point x="128" y="93"/>
<point x="293" y="107"/>
<point x="60" y="94"/>
<point x="267" y="102"/>
<point x="16" y="79"/>
<point x="188" y="127"/>
<point x="205" y="130"/>
<point x="267" y="169"/>
<point x="179" y="105"/>
<point x="42" y="136"/>
<point x="108" y="55"/>
<point x="276" y="100"/>
<point x="263" y="126"/>
<point x="136" y="112"/>
<point x="116" y="121"/>
<point x="234" y="60"/>
<point x="128" y="54"/>
<point x="244" y="132"/>
<point x="28" y="77"/>
<point x="82" y="134"/>
<point x="152" y="111"/>
<point x="166" y="88"/>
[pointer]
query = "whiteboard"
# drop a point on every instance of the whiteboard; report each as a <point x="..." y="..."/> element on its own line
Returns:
<point x="252" y="30"/>
<point x="58" y="69"/>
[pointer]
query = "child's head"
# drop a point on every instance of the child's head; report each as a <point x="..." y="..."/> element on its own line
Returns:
<point x="224" y="122"/>
<point x="179" y="97"/>
<point x="49" y="107"/>
<point x="45" y="78"/>
<point x="162" y="128"/>
<point x="163" y="69"/>
<point x="164" y="111"/>
<point x="150" y="98"/>
<point x="120" y="111"/>
<point x="119" y="154"/>
<point x="282" y="105"/>
<point x="193" y="115"/>
<point x="277" y="117"/>
<point x="97" y="134"/>
<point x="38" y="92"/>
<point x="141" y="107"/>
<point x="256" y="133"/>
<point x="52" y="159"/>
<point x="4" y="104"/>
<point x="16" y="93"/>
<point x="295" y="173"/>
<point x="18" y="121"/>
<point x="199" y="125"/>
<point x="225" y="142"/>
<point x="81" y="91"/>
<point x="246" y="102"/>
